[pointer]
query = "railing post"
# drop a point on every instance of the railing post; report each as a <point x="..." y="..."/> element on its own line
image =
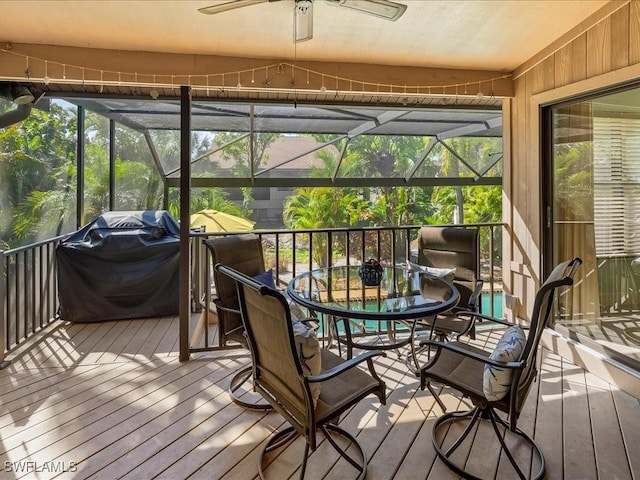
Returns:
<point x="3" y="309"/>
<point x="197" y="265"/>
<point x="184" y="307"/>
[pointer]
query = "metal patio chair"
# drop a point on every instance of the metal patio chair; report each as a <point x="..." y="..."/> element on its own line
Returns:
<point x="497" y="381"/>
<point x="244" y="253"/>
<point x="454" y="250"/>
<point x="279" y="376"/>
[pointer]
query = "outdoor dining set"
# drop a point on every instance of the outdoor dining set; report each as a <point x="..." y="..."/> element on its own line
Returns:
<point x="314" y="344"/>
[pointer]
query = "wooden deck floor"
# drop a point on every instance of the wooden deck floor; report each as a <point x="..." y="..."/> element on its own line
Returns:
<point x="111" y="400"/>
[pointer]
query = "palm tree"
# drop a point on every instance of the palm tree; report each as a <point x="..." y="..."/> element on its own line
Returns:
<point x="207" y="198"/>
<point x="452" y="200"/>
<point x="322" y="207"/>
<point x="37" y="156"/>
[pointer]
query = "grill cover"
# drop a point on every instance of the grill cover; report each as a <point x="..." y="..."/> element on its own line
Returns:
<point x="121" y="265"/>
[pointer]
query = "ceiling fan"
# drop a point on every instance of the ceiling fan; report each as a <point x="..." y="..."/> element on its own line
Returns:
<point x="303" y="11"/>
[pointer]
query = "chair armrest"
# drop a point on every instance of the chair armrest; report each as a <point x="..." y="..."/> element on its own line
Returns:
<point x="475" y="296"/>
<point x="470" y="313"/>
<point x="347" y="365"/>
<point x="219" y="306"/>
<point x="469" y="354"/>
<point x="310" y="322"/>
<point x="440" y="318"/>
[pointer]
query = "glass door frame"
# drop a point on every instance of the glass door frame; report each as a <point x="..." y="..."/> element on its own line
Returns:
<point x="547" y="191"/>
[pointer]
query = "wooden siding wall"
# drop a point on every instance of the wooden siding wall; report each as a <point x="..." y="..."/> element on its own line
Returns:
<point x="602" y="51"/>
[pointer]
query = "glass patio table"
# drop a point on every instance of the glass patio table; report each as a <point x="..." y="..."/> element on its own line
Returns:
<point x="356" y="311"/>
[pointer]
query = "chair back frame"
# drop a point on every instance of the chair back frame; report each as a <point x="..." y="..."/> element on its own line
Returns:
<point x="454" y="247"/>
<point x="267" y="315"/>
<point x="278" y="374"/>
<point x="561" y="276"/>
<point x="242" y="253"/>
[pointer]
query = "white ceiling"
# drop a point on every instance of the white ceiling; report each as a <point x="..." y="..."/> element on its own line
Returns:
<point x="469" y="34"/>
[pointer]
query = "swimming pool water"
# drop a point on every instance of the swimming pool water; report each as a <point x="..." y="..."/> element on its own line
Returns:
<point x="497" y="304"/>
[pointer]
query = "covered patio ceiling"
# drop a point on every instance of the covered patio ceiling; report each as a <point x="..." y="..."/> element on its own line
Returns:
<point x="456" y="52"/>
<point x="498" y="35"/>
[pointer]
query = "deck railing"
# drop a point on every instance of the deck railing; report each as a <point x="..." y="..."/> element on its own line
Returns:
<point x="29" y="287"/>
<point x="28" y="292"/>
<point x="291" y="252"/>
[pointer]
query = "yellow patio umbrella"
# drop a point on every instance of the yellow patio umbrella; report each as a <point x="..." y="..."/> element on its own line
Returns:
<point x="215" y="221"/>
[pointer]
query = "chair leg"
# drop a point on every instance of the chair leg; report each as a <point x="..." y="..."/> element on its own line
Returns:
<point x="239" y="379"/>
<point x="278" y="440"/>
<point x="436" y="396"/>
<point x="536" y="451"/>
<point x="286" y="436"/>
<point x="473" y="417"/>
<point x="360" y="466"/>
<point x="411" y="360"/>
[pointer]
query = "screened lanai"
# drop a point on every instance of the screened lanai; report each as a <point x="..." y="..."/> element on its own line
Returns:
<point x="330" y="126"/>
<point x="270" y="147"/>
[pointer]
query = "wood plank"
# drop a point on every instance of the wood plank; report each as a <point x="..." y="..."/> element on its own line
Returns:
<point x="166" y="344"/>
<point x="535" y="80"/>
<point x="37" y="400"/>
<point x="627" y="409"/>
<point x="404" y="427"/>
<point x="239" y="459"/>
<point x="25" y="382"/>
<point x="579" y="456"/>
<point x="608" y="444"/>
<point x="55" y="345"/>
<point x="109" y="331"/>
<point x="57" y="425"/>
<point x="201" y="443"/>
<point x="147" y="325"/>
<point x="599" y="48"/>
<point x="563" y="63"/>
<point x="105" y="424"/>
<point x="484" y="452"/>
<point x="420" y="458"/>
<point x="579" y="58"/>
<point x="201" y="396"/>
<point x="71" y="351"/>
<point x="152" y="339"/>
<point x="126" y="330"/>
<point x="548" y="74"/>
<point x="620" y="38"/>
<point x="634" y="33"/>
<point x="102" y="352"/>
<point x="548" y="433"/>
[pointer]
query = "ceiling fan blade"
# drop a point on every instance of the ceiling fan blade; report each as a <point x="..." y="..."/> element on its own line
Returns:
<point x="380" y="8"/>
<point x="302" y="22"/>
<point x="223" y="7"/>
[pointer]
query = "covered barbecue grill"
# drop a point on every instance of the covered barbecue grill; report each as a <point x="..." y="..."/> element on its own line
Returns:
<point x="122" y="265"/>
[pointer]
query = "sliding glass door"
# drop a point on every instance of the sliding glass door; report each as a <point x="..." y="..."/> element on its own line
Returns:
<point x="593" y="211"/>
